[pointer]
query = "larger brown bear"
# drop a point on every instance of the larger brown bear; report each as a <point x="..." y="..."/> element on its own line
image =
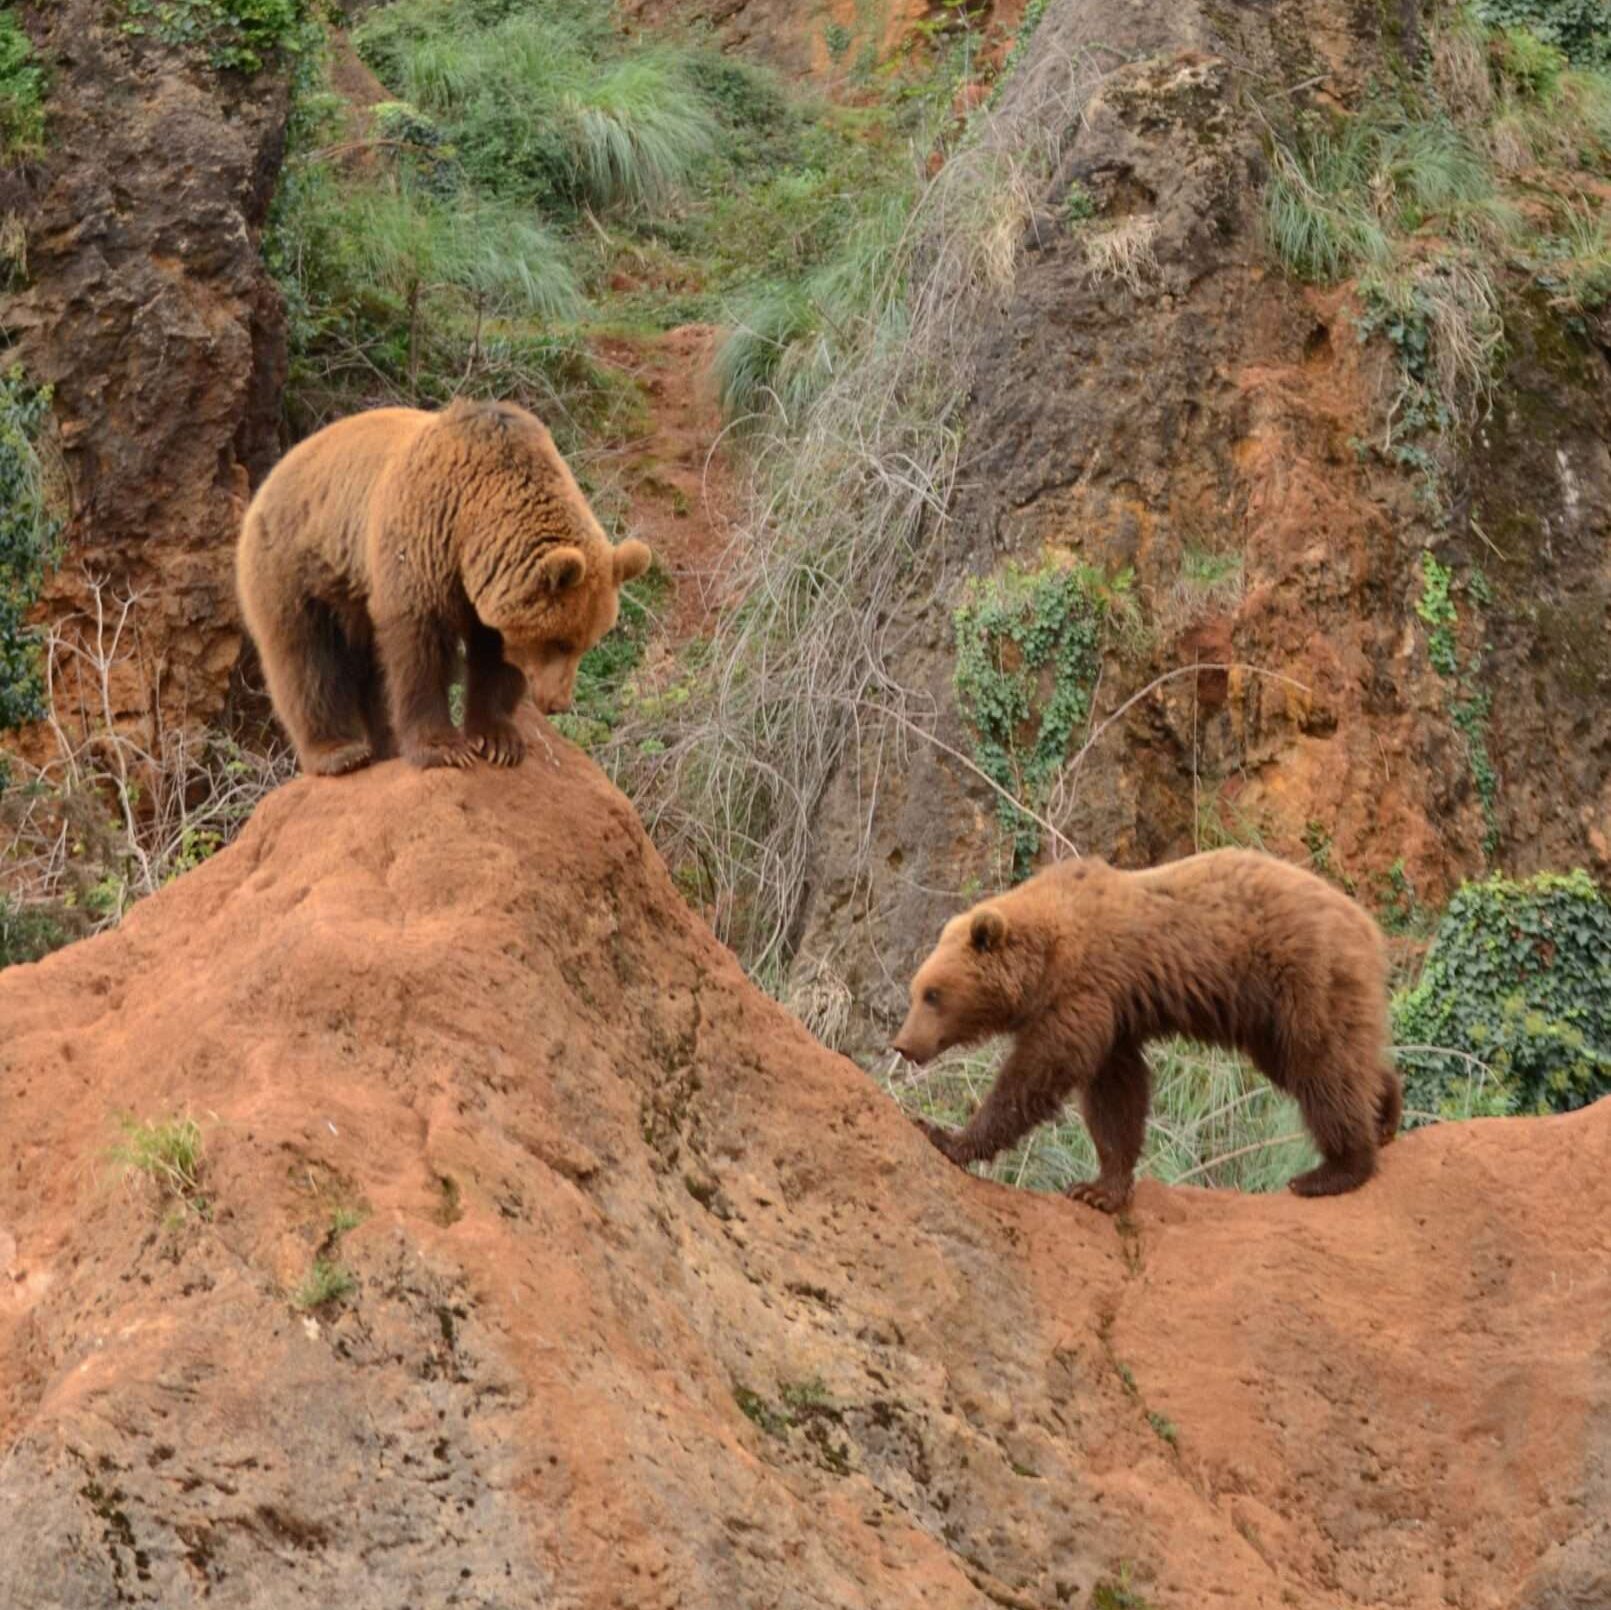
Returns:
<point x="381" y="543"/>
<point x="1084" y="964"/>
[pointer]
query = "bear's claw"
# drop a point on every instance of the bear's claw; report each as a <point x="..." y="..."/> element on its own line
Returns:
<point x="943" y="1140"/>
<point x="1103" y="1195"/>
<point x="456" y="752"/>
<point x="336" y="760"/>
<point x="500" y="745"/>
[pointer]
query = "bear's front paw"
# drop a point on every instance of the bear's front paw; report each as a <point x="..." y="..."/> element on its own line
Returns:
<point x="499" y="743"/>
<point x="1106" y="1196"/>
<point x="447" y="750"/>
<point x="944" y="1140"/>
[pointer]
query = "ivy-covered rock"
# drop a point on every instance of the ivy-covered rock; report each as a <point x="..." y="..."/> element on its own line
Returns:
<point x="1519" y="979"/>
<point x="1029" y="646"/>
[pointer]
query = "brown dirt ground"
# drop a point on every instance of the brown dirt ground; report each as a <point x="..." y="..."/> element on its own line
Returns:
<point x="677" y="481"/>
<point x="658" y="1303"/>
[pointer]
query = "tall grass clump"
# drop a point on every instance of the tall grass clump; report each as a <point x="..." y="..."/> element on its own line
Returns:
<point x="548" y="102"/>
<point x="169" y="1153"/>
<point x="791" y="337"/>
<point x="852" y="465"/>
<point x="407" y="284"/>
<point x="1344" y="189"/>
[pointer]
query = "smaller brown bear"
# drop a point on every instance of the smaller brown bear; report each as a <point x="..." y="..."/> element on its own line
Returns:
<point x="383" y="542"/>
<point x="1084" y="964"/>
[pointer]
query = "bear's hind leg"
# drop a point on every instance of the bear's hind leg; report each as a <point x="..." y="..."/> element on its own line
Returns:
<point x="307" y="662"/>
<point x="1115" y="1105"/>
<point x="1342" y="1119"/>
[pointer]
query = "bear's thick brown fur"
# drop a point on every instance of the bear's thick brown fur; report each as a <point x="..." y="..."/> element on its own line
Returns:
<point x="383" y="542"/>
<point x="1084" y="964"/>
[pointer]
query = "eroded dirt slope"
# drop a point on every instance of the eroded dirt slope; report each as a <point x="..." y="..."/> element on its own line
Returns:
<point x="658" y="1303"/>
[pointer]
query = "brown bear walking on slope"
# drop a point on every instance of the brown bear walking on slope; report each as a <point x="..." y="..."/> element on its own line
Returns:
<point x="1084" y="964"/>
<point x="384" y="541"/>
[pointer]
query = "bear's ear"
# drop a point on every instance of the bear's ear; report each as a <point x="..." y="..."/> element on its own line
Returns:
<point x="631" y="559"/>
<point x="561" y="570"/>
<point x="988" y="930"/>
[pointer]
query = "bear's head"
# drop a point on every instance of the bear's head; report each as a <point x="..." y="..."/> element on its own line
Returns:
<point x="534" y="561"/>
<point x="569" y="601"/>
<point x="970" y="987"/>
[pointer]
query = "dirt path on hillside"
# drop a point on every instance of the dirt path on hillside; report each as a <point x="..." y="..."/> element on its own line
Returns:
<point x="678" y="484"/>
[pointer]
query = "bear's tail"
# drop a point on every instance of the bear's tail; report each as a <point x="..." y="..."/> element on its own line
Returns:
<point x="1389" y="1106"/>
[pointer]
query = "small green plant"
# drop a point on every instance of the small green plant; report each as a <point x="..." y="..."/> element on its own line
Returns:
<point x="836" y="37"/>
<point x="1028" y="647"/>
<point x="169" y="1153"/>
<point x="1109" y="1594"/>
<point x="1079" y="206"/>
<point x="22" y="92"/>
<point x="1471" y="718"/>
<point x="1436" y="610"/>
<point x="755" y="1408"/>
<point x="1513" y="1005"/>
<point x="805" y="1395"/>
<point x="1163" y="1427"/>
<point x="325" y="1283"/>
<point x="27" y="933"/>
<point x="29" y="532"/>
<point x="238" y="35"/>
<point x="1398" y="907"/>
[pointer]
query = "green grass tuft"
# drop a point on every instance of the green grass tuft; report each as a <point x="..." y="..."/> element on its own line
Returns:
<point x="169" y="1153"/>
<point x="325" y="1283"/>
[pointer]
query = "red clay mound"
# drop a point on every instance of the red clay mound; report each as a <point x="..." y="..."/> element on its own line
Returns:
<point x="659" y="1304"/>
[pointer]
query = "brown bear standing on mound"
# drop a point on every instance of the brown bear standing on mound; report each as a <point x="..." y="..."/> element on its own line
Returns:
<point x="1084" y="964"/>
<point x="383" y="542"/>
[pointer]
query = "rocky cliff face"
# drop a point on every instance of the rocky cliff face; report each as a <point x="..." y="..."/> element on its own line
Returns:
<point x="146" y="306"/>
<point x="1181" y="404"/>
<point x="534" y="1257"/>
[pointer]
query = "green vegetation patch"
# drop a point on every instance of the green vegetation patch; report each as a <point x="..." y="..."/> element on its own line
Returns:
<point x="326" y="1282"/>
<point x="1029" y="646"/>
<point x="240" y="36"/>
<point x="22" y="92"/>
<point x="1519" y="979"/>
<point x="170" y="1154"/>
<point x="30" y="530"/>
<point x="1578" y="29"/>
<point x="603" y="680"/>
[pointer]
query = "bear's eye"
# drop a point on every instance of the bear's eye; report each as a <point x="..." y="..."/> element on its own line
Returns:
<point x="931" y="997"/>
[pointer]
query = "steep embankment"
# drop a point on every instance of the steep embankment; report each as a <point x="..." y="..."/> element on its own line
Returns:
<point x="1229" y="451"/>
<point x="145" y="304"/>
<point x="658" y="1303"/>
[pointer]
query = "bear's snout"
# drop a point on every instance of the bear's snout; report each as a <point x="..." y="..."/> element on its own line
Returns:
<point x="905" y="1044"/>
